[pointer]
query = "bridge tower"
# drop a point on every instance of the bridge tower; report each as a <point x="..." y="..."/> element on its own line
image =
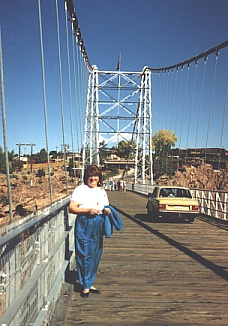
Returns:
<point x="119" y="108"/>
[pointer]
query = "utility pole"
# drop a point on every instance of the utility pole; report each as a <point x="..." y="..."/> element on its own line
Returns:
<point x="19" y="152"/>
<point x="31" y="155"/>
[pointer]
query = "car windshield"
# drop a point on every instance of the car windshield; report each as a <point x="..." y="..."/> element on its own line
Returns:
<point x="175" y="192"/>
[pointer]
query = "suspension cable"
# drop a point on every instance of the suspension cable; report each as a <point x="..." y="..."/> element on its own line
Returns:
<point x="4" y="130"/>
<point x="156" y="87"/>
<point x="75" y="98"/>
<point x="174" y="96"/>
<point x="169" y="99"/>
<point x="44" y="99"/>
<point x="200" y="103"/>
<point x="178" y="104"/>
<point x="184" y="106"/>
<point x="210" y="112"/>
<point x="178" y="100"/>
<point x="69" y="85"/>
<point x="211" y="100"/>
<point x="61" y="94"/>
<point x="223" y="123"/>
<point x="165" y="97"/>
<point x="194" y="59"/>
<point x="79" y="99"/>
<point x="191" y="105"/>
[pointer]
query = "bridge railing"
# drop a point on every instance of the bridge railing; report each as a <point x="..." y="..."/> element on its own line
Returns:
<point x="211" y="202"/>
<point x="34" y="257"/>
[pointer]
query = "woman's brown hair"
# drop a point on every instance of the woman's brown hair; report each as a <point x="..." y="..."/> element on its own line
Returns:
<point x="95" y="171"/>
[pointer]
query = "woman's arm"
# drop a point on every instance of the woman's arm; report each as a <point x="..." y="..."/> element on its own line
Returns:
<point x="75" y="209"/>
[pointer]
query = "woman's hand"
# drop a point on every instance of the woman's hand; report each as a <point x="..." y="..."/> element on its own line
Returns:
<point x="93" y="211"/>
<point x="107" y="211"/>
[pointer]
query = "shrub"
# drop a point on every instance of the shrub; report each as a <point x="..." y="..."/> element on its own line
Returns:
<point x="40" y="173"/>
<point x="4" y="200"/>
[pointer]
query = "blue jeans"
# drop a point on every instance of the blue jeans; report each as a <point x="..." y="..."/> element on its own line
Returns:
<point x="88" y="247"/>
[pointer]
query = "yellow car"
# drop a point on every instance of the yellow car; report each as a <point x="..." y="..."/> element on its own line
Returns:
<point x="172" y="201"/>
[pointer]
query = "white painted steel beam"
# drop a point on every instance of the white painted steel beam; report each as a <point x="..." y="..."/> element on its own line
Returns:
<point x="119" y="108"/>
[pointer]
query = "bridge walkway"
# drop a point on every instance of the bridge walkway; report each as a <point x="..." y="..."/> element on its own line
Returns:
<point x="164" y="273"/>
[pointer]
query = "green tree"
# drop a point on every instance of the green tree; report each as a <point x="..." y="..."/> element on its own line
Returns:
<point x="3" y="161"/>
<point x="126" y="149"/>
<point x="43" y="156"/>
<point x="162" y="141"/>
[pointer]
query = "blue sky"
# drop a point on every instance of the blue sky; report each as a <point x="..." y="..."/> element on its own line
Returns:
<point x="154" y="33"/>
<point x="150" y="32"/>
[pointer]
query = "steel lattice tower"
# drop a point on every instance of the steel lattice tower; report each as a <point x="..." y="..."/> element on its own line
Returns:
<point x="119" y="108"/>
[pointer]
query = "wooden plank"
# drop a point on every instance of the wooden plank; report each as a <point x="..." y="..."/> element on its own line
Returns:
<point x="164" y="273"/>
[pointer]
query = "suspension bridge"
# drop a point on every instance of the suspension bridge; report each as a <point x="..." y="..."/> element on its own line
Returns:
<point x="85" y="109"/>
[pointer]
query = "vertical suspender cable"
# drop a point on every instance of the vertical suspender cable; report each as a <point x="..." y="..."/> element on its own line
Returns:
<point x="211" y="101"/>
<point x="223" y="123"/>
<point x="61" y="93"/>
<point x="170" y="168"/>
<point x="81" y="92"/>
<point x="4" y="130"/>
<point x="78" y="99"/>
<point x="75" y="94"/>
<point x="75" y="75"/>
<point x="161" y="77"/>
<point x="164" y="91"/>
<point x="210" y="111"/>
<point x="174" y="96"/>
<point x="178" y="101"/>
<point x="160" y="162"/>
<point x="44" y="99"/>
<point x="69" y="85"/>
<point x="169" y="96"/>
<point x="165" y="115"/>
<point x="200" y="103"/>
<point x="192" y="99"/>
<point x="154" y="103"/>
<point x="183" y="111"/>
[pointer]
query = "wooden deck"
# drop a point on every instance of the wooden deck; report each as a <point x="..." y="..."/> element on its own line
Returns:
<point x="165" y="273"/>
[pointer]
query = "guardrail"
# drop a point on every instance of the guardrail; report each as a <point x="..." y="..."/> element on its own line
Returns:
<point x="34" y="257"/>
<point x="211" y="202"/>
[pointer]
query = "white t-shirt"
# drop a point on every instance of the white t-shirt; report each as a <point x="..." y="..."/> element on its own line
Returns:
<point x="90" y="197"/>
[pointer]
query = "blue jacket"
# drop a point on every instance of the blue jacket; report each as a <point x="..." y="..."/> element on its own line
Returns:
<point x="112" y="221"/>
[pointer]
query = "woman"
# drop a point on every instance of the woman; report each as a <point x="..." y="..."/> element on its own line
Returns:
<point x="88" y="202"/>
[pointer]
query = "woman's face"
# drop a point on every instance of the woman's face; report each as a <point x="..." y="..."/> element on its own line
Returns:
<point x="92" y="181"/>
